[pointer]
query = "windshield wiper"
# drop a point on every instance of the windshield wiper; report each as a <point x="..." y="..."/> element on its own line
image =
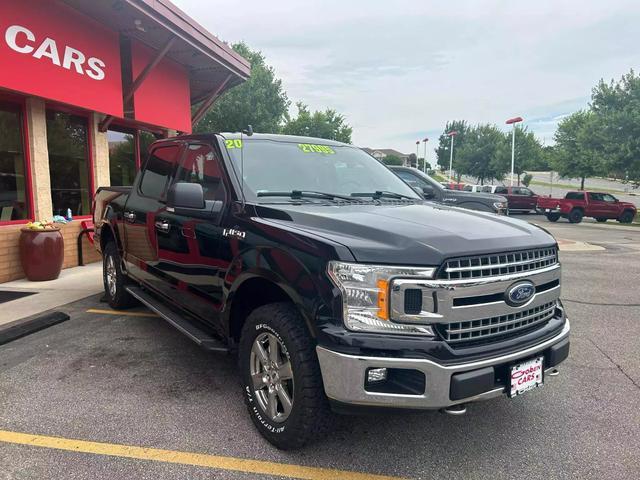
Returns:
<point x="298" y="194"/>
<point x="378" y="194"/>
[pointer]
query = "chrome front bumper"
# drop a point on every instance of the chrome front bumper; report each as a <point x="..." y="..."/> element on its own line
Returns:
<point x="344" y="377"/>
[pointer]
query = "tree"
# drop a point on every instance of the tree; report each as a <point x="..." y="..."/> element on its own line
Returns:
<point x="443" y="150"/>
<point x="260" y="101"/>
<point x="322" y="124"/>
<point x="616" y="107"/>
<point x="481" y="153"/>
<point x="526" y="180"/>
<point x="392" y="160"/>
<point x="578" y="150"/>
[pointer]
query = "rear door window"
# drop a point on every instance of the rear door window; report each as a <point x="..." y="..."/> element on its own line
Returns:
<point x="502" y="190"/>
<point x="158" y="171"/>
<point x="574" y="196"/>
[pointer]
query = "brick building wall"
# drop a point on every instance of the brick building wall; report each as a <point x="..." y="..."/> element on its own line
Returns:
<point x="10" y="267"/>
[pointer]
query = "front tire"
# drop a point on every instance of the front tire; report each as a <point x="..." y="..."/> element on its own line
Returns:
<point x="114" y="280"/>
<point x="575" y="215"/>
<point x="281" y="379"/>
<point x="626" y="217"/>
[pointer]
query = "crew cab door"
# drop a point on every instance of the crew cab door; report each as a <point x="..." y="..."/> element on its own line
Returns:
<point x="521" y="199"/>
<point x="189" y="240"/>
<point x="602" y="205"/>
<point x="146" y="200"/>
<point x="529" y="199"/>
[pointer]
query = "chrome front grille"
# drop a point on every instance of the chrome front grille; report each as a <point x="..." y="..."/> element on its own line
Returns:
<point x="497" y="264"/>
<point x="474" y="330"/>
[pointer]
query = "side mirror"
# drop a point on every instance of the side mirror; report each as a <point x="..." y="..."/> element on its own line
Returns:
<point x="428" y="192"/>
<point x="185" y="195"/>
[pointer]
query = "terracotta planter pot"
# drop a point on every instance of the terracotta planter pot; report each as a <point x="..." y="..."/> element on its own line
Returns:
<point x="41" y="253"/>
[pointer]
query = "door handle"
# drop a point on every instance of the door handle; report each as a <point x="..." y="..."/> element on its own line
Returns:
<point x="130" y="216"/>
<point x="163" y="226"/>
<point x="188" y="232"/>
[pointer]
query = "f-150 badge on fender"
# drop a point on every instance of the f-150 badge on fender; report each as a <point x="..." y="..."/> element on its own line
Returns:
<point x="232" y="232"/>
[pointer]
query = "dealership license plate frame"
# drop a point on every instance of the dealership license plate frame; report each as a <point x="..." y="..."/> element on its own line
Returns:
<point x="535" y="383"/>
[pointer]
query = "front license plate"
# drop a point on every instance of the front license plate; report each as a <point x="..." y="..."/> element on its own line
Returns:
<point x="547" y="210"/>
<point x="526" y="376"/>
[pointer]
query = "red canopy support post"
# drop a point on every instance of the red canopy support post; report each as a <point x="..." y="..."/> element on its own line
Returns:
<point x="207" y="102"/>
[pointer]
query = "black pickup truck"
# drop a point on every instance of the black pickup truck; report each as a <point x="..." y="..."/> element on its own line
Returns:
<point x="336" y="285"/>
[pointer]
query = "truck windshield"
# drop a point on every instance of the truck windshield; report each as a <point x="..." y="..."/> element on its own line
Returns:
<point x="279" y="166"/>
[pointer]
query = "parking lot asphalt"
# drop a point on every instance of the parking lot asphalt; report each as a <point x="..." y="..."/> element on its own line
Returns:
<point x="131" y="382"/>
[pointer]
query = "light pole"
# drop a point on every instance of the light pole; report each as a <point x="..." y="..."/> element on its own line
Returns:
<point x="417" y="154"/>
<point x="452" y="134"/>
<point x="424" y="160"/>
<point x="513" y="121"/>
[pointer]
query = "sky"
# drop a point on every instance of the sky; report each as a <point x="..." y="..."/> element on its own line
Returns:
<point x="399" y="70"/>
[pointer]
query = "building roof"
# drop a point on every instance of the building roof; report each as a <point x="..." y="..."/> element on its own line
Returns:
<point x="386" y="151"/>
<point x="209" y="61"/>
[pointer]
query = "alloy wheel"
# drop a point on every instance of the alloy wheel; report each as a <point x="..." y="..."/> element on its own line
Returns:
<point x="272" y="377"/>
<point x="111" y="275"/>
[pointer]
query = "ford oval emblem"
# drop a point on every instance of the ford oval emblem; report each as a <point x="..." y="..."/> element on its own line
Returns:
<point x="520" y="293"/>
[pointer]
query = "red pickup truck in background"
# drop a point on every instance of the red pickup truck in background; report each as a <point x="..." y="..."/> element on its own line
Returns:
<point x="576" y="205"/>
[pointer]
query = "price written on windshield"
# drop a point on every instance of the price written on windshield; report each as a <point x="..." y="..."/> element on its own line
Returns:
<point x="231" y="143"/>
<point x="310" y="148"/>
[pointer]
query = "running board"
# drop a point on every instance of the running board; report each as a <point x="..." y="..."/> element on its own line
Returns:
<point x="202" y="338"/>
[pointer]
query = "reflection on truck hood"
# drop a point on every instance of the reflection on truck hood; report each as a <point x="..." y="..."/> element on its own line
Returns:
<point x="413" y="234"/>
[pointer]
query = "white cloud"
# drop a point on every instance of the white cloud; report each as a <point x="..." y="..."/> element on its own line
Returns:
<point x="400" y="68"/>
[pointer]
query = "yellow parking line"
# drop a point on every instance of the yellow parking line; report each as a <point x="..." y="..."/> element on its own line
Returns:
<point x="122" y="312"/>
<point x="186" y="458"/>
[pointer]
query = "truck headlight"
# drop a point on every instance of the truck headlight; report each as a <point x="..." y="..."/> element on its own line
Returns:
<point x="499" y="206"/>
<point x="365" y="296"/>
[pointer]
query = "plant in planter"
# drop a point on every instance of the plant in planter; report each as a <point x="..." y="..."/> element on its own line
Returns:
<point x="41" y="251"/>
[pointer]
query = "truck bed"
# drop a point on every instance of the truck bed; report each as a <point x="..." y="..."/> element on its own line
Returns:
<point x="105" y="195"/>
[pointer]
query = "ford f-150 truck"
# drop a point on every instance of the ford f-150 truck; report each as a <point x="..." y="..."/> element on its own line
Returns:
<point x="336" y="285"/>
<point x="576" y="205"/>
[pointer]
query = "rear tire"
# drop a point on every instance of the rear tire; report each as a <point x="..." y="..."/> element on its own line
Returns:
<point x="626" y="217"/>
<point x="114" y="280"/>
<point x="601" y="219"/>
<point x="281" y="379"/>
<point x="553" y="217"/>
<point x="575" y="215"/>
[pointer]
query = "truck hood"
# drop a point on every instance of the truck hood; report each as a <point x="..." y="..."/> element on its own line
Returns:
<point x="422" y="233"/>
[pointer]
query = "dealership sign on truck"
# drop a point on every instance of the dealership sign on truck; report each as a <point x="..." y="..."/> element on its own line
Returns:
<point x="50" y="50"/>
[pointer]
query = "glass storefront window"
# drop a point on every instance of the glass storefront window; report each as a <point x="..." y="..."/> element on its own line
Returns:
<point x="122" y="156"/>
<point x="14" y="198"/>
<point x="68" y="163"/>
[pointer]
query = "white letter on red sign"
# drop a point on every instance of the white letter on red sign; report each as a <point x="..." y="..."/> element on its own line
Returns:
<point x="48" y="49"/>
<point x="71" y="55"/>
<point x="95" y="68"/>
<point x="11" y="35"/>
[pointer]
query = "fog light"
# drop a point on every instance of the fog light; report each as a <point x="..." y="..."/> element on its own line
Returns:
<point x="376" y="375"/>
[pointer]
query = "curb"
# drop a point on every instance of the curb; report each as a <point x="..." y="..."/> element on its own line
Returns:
<point x="22" y="328"/>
